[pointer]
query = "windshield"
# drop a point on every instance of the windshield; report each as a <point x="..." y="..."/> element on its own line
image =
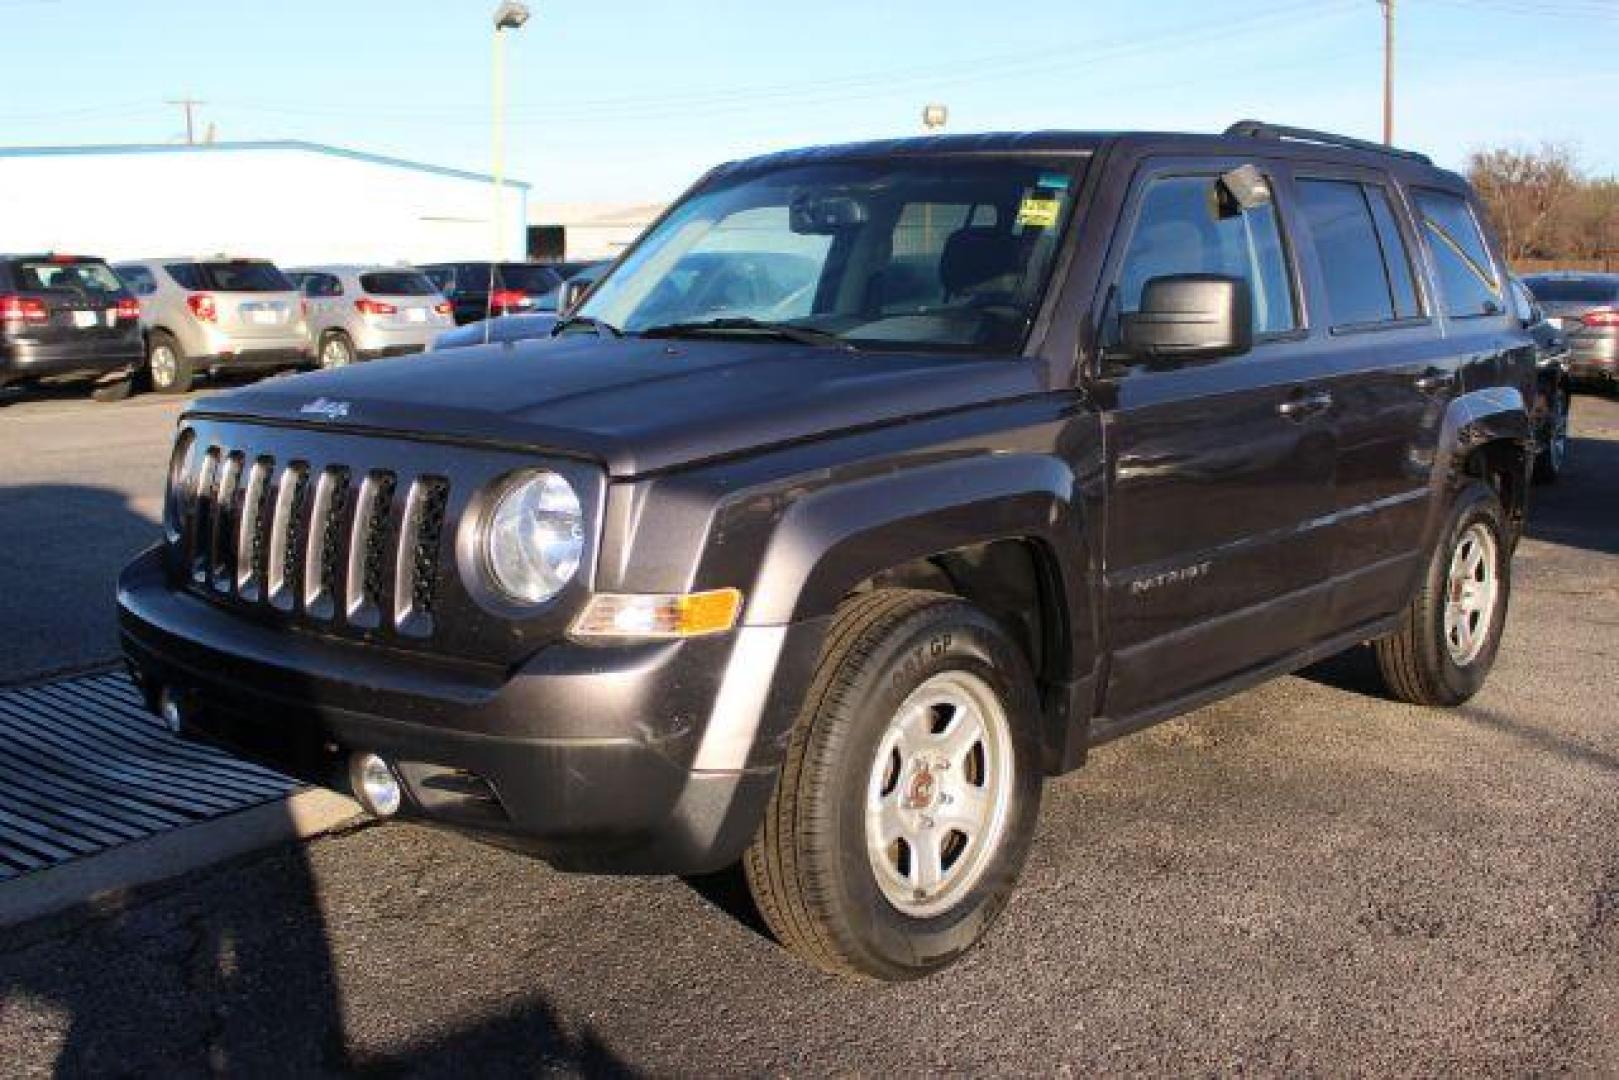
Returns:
<point x="81" y="277"/>
<point x="1574" y="290"/>
<point x="397" y="283"/>
<point x="240" y="275"/>
<point x="919" y="253"/>
<point x="530" y="278"/>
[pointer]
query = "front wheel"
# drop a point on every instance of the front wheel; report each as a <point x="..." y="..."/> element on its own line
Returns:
<point x="908" y="800"/>
<point x="1553" y="456"/>
<point x="1450" y="631"/>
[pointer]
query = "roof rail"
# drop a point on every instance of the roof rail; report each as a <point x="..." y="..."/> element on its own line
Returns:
<point x="1259" y="129"/>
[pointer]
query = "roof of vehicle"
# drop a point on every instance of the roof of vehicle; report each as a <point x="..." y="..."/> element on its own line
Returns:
<point x="49" y="256"/>
<point x="1239" y="139"/>
<point x="217" y="257"/>
<point x="354" y="268"/>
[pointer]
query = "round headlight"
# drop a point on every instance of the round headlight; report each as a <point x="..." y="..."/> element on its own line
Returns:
<point x="536" y="537"/>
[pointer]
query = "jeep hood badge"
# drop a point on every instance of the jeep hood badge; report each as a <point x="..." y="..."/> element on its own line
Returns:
<point x="331" y="410"/>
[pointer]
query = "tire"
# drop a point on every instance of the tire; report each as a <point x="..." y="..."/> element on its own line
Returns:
<point x="336" y="350"/>
<point x="851" y="907"/>
<point x="168" y="368"/>
<point x="1553" y="457"/>
<point x="1426" y="661"/>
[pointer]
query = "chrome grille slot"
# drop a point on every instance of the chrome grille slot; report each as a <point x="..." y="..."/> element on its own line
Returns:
<point x="325" y="542"/>
<point x="416" y="572"/>
<point x="199" y="512"/>
<point x="287" y="537"/>
<point x="366" y="580"/>
<point x="222" y="526"/>
<point x="252" y="546"/>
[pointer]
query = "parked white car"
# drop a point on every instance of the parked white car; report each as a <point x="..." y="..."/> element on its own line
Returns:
<point x="366" y="312"/>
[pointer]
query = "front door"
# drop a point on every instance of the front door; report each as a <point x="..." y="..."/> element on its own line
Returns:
<point x="1221" y="471"/>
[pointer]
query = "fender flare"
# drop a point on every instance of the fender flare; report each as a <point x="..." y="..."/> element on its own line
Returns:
<point x="831" y="540"/>
<point x="1477" y="418"/>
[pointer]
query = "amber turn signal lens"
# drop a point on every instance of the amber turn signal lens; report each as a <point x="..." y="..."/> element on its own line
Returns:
<point x="621" y="615"/>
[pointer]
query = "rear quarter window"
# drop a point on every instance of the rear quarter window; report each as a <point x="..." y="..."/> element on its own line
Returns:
<point x="1468" y="285"/>
<point x="141" y="281"/>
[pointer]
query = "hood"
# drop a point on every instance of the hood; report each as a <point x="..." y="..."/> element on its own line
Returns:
<point x="634" y="405"/>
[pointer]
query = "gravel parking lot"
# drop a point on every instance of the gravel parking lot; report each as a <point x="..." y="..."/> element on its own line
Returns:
<point x="1306" y="879"/>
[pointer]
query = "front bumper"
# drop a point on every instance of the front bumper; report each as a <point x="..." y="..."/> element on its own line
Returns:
<point x="595" y="758"/>
<point x="25" y="361"/>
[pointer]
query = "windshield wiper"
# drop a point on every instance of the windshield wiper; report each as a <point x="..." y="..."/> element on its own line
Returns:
<point x="803" y="335"/>
<point x="602" y="329"/>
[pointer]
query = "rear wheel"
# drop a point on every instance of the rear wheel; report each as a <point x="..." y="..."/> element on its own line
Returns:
<point x="906" y="806"/>
<point x="1553" y="456"/>
<point x="167" y="366"/>
<point x="336" y="350"/>
<point x="1449" y="633"/>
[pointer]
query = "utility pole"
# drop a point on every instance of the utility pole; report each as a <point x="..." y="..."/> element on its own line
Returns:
<point x="1388" y="71"/>
<point x="188" y="104"/>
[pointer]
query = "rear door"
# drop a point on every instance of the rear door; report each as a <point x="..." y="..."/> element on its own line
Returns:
<point x="253" y="299"/>
<point x="1389" y="371"/>
<point x="1221" y="471"/>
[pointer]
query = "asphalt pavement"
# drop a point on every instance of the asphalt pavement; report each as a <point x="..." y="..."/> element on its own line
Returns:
<point x="1306" y="878"/>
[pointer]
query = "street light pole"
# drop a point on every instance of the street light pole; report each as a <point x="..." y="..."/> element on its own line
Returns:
<point x="510" y="15"/>
<point x="1388" y="71"/>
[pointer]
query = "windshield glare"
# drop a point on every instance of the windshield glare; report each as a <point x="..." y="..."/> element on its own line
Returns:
<point x="940" y="253"/>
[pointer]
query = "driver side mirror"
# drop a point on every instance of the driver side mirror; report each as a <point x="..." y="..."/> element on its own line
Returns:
<point x="1187" y="317"/>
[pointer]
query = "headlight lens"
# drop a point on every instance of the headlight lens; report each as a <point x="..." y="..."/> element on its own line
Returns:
<point x="535" y="538"/>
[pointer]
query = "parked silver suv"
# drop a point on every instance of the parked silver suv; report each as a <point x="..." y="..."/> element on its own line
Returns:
<point x="363" y="312"/>
<point x="205" y="315"/>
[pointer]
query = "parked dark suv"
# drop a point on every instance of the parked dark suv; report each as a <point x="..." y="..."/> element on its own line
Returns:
<point x="1059" y="436"/>
<point x="64" y="317"/>
<point x="479" y="290"/>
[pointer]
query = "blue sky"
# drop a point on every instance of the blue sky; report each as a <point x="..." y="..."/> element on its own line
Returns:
<point x="630" y="100"/>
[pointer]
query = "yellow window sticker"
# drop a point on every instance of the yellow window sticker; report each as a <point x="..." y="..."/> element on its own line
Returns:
<point x="1038" y="212"/>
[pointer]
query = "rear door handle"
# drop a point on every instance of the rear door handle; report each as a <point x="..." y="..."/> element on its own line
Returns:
<point x="1435" y="381"/>
<point x="1301" y="408"/>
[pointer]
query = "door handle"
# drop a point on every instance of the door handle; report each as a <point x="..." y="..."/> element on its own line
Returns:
<point x="1435" y="381"/>
<point x="1301" y="408"/>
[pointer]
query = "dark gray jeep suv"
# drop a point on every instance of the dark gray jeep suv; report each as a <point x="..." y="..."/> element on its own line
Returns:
<point x="961" y="456"/>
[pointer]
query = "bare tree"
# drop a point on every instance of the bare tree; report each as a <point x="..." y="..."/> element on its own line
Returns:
<point x="1528" y="193"/>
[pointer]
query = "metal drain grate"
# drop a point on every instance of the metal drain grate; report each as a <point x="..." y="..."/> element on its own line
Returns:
<point x="84" y="767"/>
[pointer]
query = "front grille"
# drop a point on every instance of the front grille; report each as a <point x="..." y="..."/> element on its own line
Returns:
<point x="338" y="545"/>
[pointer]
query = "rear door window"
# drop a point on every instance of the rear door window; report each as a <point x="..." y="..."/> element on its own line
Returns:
<point x="1467" y="279"/>
<point x="397" y="283"/>
<point x="1193" y="225"/>
<point x="1363" y="260"/>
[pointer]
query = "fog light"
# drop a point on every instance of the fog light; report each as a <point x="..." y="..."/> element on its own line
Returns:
<point x="168" y="707"/>
<point x="374" y="784"/>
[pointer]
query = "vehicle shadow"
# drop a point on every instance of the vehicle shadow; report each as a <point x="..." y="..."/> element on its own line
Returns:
<point x="1582" y="510"/>
<point x="229" y="969"/>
